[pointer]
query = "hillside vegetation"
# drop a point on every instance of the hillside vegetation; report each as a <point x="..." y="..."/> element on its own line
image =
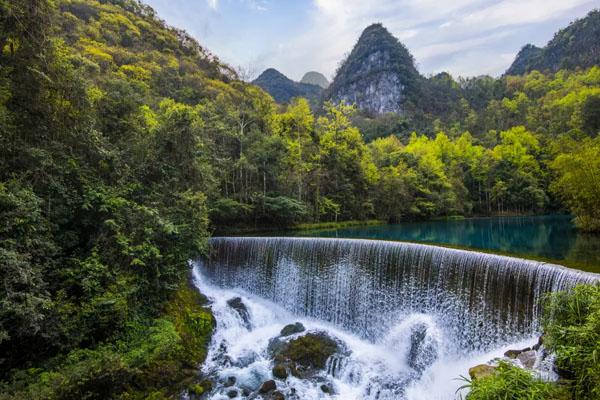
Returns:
<point x="124" y="143"/>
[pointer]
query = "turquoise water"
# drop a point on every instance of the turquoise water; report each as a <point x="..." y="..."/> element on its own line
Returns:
<point x="551" y="237"/>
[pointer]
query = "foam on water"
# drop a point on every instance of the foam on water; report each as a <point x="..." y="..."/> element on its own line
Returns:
<point x="413" y="318"/>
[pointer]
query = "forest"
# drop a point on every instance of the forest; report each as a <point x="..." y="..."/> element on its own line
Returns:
<point x="124" y="144"/>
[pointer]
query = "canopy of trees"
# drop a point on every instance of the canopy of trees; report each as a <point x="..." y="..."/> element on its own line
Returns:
<point x="123" y="142"/>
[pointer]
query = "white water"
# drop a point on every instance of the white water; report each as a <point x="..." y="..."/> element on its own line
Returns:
<point x="373" y="370"/>
<point x="412" y="318"/>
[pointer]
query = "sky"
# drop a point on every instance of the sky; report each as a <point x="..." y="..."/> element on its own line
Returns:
<point x="462" y="37"/>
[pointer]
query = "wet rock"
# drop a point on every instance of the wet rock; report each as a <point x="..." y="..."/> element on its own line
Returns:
<point x="423" y="350"/>
<point x="232" y="394"/>
<point x="238" y="305"/>
<point x="276" y="345"/>
<point x="528" y="358"/>
<point x="308" y="354"/>
<point x="230" y="381"/>
<point x="481" y="371"/>
<point x="539" y="344"/>
<point x="292" y="329"/>
<point x="268" y="386"/>
<point x="327" y="388"/>
<point x="280" y="371"/>
<point x="277" y="395"/>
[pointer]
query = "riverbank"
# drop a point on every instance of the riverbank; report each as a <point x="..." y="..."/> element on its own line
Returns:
<point x="308" y="226"/>
<point x="155" y="358"/>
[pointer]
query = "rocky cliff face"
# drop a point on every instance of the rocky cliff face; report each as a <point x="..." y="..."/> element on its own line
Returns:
<point x="378" y="75"/>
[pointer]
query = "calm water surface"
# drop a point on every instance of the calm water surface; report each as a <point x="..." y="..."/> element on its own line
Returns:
<point x="553" y="237"/>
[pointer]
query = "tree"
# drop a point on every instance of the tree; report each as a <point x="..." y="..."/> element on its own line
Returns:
<point x="578" y="181"/>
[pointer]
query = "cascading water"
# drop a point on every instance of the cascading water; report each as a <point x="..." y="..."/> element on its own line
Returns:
<point x="411" y="316"/>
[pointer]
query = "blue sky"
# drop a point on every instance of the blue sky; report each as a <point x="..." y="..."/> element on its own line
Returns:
<point x="463" y="37"/>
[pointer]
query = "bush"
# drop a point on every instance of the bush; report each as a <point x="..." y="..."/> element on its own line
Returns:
<point x="154" y="358"/>
<point x="572" y="331"/>
<point x="513" y="383"/>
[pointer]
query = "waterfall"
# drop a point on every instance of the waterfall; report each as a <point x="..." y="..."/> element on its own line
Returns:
<point x="366" y="286"/>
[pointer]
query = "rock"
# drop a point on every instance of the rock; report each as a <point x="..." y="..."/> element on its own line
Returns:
<point x="327" y="388"/>
<point x="423" y="350"/>
<point x="276" y="345"/>
<point x="232" y="394"/>
<point x="280" y="371"/>
<point x="539" y="344"/>
<point x="238" y="305"/>
<point x="230" y="381"/>
<point x="292" y="329"/>
<point x="481" y="371"/>
<point x="512" y="354"/>
<point x="307" y="354"/>
<point x="268" y="386"/>
<point x="528" y="358"/>
<point x="277" y="395"/>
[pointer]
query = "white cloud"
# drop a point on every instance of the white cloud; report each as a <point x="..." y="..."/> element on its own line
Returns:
<point x="213" y="4"/>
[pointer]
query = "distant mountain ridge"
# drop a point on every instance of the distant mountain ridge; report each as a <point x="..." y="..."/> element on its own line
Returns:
<point x="576" y="46"/>
<point x="377" y="76"/>
<point x="315" y="78"/>
<point x="283" y="89"/>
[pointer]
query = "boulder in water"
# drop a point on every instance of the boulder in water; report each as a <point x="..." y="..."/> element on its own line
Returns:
<point x="528" y="358"/>
<point x="232" y="394"/>
<point x="280" y="371"/>
<point x="230" y="381"/>
<point x="327" y="389"/>
<point x="238" y="305"/>
<point x="423" y="350"/>
<point x="292" y="329"/>
<point x="307" y="354"/>
<point x="268" y="386"/>
<point x="481" y="371"/>
<point x="277" y="395"/>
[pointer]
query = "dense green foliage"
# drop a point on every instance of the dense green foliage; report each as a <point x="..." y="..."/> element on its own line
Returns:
<point x="578" y="180"/>
<point x="577" y="45"/>
<point x="121" y="138"/>
<point x="514" y="383"/>
<point x="102" y="194"/>
<point x="154" y="358"/>
<point x="572" y="331"/>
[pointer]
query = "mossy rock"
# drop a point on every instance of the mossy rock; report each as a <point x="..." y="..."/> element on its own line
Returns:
<point x="311" y="350"/>
<point x="280" y="371"/>
<point x="482" y="371"/>
<point x="306" y="354"/>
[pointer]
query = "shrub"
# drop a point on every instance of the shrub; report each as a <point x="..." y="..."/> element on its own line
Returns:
<point x="513" y="383"/>
<point x="572" y="331"/>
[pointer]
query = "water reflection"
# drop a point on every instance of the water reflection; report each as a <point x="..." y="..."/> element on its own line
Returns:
<point x="551" y="237"/>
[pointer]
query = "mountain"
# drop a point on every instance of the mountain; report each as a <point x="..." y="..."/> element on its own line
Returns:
<point x="378" y="75"/>
<point x="315" y="78"/>
<point x="576" y="46"/>
<point x="283" y="89"/>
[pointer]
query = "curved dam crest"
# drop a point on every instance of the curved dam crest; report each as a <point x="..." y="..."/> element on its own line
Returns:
<point x="365" y="286"/>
